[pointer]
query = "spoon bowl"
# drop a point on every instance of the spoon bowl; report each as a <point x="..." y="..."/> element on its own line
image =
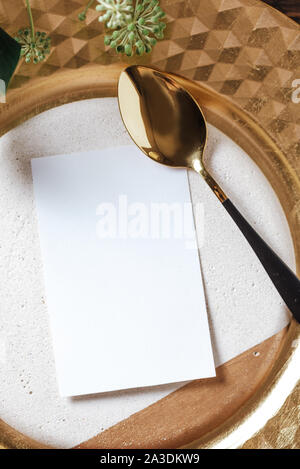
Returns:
<point x="164" y="120"/>
<point x="167" y="123"/>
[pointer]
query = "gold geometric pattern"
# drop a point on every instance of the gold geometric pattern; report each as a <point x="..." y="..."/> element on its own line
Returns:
<point x="283" y="430"/>
<point x="240" y="48"/>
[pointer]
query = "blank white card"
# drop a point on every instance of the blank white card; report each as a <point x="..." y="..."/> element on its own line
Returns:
<point x="123" y="281"/>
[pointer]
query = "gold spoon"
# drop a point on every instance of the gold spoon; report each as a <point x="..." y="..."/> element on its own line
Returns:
<point x="167" y="124"/>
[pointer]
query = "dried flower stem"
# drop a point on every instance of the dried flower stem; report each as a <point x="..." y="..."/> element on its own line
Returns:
<point x="82" y="15"/>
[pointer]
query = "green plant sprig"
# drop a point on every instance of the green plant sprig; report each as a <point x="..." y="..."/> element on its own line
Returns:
<point x="141" y="32"/>
<point x="35" y="46"/>
<point x="117" y="12"/>
<point x="136" y="28"/>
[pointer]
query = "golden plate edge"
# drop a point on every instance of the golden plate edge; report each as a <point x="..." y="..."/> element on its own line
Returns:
<point x="90" y="83"/>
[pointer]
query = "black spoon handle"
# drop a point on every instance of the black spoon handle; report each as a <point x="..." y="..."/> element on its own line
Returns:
<point x="285" y="281"/>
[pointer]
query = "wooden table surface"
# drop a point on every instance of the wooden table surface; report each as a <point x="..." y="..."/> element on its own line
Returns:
<point x="289" y="7"/>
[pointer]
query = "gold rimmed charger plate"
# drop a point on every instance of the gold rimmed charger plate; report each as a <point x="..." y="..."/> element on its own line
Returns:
<point x="244" y="57"/>
<point x="202" y="410"/>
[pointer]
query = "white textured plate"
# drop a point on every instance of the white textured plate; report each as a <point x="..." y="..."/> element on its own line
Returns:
<point x="244" y="308"/>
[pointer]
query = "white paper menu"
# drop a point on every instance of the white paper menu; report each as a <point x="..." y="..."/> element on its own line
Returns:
<point x="122" y="274"/>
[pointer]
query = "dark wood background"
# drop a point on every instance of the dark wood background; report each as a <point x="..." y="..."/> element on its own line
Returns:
<point x="289" y="7"/>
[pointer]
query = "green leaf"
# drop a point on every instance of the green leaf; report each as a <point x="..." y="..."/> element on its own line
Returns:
<point x="10" y="51"/>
